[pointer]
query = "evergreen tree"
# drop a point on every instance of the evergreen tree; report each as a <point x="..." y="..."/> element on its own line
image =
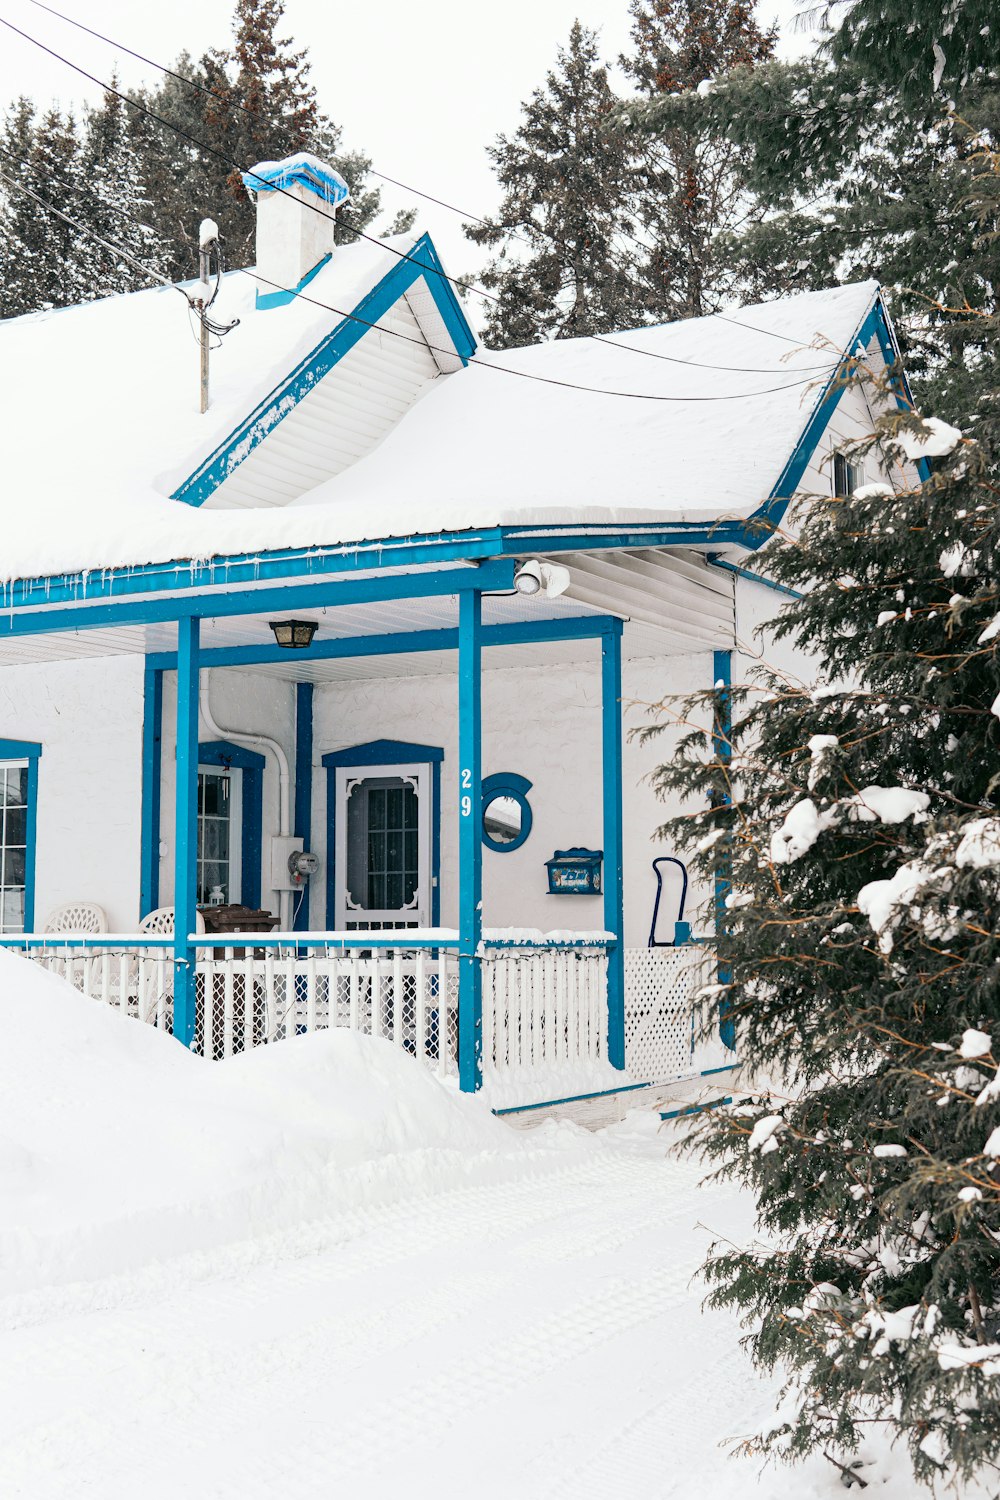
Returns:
<point x="690" y="182"/>
<point x="253" y="101"/>
<point x="115" y="204"/>
<point x="564" y="225"/>
<point x="43" y="262"/>
<point x="858" y="821"/>
<point x="865" y="156"/>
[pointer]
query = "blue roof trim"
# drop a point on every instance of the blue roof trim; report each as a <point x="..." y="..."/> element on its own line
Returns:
<point x="264" y="300"/>
<point x="765" y="521"/>
<point x="421" y="261"/>
<point x="302" y="170"/>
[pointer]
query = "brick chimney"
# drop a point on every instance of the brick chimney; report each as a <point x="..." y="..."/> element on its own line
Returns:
<point x="293" y="240"/>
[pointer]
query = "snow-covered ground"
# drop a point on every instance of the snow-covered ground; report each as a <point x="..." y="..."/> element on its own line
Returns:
<point x="317" y="1271"/>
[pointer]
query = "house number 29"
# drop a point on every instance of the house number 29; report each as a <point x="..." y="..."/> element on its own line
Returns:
<point x="466" y="803"/>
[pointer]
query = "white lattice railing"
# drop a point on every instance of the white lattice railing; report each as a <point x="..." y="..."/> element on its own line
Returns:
<point x="660" y="1034"/>
<point x="540" y="1004"/>
<point x="251" y="999"/>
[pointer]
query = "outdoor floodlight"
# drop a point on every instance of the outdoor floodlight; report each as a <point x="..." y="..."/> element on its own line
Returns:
<point x="535" y="576"/>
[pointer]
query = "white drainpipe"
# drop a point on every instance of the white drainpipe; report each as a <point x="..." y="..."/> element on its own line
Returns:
<point x="238" y="737"/>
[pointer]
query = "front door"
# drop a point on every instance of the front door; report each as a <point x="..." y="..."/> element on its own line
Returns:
<point x="382" y="866"/>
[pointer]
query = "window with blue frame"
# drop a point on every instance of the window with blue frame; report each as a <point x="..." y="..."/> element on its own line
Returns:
<point x="230" y="833"/>
<point x="18" y="795"/>
<point x="218" y="860"/>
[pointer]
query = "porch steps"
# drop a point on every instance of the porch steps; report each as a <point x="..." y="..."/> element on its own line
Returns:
<point x="670" y="1097"/>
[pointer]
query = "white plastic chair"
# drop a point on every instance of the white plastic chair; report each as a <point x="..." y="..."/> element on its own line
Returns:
<point x="160" y="923"/>
<point x="77" y="916"/>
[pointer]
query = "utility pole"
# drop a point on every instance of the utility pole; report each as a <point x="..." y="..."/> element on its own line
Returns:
<point x="208" y="236"/>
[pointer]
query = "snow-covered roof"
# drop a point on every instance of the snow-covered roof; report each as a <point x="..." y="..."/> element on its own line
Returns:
<point x="101" y="424"/>
<point x="490" y="448"/>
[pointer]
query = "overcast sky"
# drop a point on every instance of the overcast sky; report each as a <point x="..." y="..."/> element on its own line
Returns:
<point x="422" y="88"/>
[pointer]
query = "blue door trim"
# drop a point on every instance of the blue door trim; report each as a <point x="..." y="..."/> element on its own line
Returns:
<point x="382" y="753"/>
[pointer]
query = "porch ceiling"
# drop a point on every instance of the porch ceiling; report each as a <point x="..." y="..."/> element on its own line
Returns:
<point x="673" y="603"/>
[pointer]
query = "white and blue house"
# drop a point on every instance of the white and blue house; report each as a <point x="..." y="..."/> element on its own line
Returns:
<point x="361" y="646"/>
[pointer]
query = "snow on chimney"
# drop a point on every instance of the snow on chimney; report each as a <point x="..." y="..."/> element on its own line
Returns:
<point x="293" y="240"/>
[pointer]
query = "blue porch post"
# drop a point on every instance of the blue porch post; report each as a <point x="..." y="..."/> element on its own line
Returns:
<point x="186" y="837"/>
<point x="470" y="844"/>
<point x="722" y="748"/>
<point x="611" y="770"/>
<point x="152" y="725"/>
<point x="303" y="786"/>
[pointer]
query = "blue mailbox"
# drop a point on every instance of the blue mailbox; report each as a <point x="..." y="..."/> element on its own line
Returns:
<point x="575" y="872"/>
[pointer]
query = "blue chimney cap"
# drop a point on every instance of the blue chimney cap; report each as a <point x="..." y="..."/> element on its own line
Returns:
<point x="301" y="170"/>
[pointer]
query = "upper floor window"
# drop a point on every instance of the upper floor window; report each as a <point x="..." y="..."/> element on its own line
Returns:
<point x="848" y="475"/>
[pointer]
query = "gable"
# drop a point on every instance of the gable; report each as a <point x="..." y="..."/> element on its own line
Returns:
<point x="338" y="403"/>
<point x="843" y="414"/>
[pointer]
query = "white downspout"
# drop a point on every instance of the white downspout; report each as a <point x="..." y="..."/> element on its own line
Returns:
<point x="239" y="737"/>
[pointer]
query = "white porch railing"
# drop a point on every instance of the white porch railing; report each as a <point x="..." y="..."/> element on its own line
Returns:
<point x="541" y="1003"/>
<point x="544" y="1003"/>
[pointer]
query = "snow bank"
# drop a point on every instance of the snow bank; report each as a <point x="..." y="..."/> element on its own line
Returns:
<point x="118" y="1147"/>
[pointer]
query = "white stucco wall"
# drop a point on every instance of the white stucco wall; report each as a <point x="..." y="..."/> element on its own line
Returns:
<point x="543" y="723"/>
<point x="87" y="716"/>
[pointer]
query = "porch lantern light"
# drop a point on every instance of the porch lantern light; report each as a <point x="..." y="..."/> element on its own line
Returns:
<point x="294" y="635"/>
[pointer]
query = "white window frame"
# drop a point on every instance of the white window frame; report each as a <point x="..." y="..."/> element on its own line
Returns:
<point x="419" y="913"/>
<point x="235" y="776"/>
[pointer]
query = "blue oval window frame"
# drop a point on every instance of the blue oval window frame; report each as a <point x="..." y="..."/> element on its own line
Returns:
<point x="507" y="784"/>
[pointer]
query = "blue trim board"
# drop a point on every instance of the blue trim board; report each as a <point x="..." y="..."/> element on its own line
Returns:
<point x="152" y="754"/>
<point x="264" y="300"/>
<point x="611" y="797"/>
<point x="527" y="632"/>
<point x="186" y="830"/>
<point x="302" y="826"/>
<point x="722" y="730"/>
<point x="421" y="261"/>
<point x="769" y="583"/>
<point x="251" y="765"/>
<point x="495" y="575"/>
<point x="30" y="751"/>
<point x="251" y="567"/>
<point x="382" y="753"/>
<point x="470" y="844"/>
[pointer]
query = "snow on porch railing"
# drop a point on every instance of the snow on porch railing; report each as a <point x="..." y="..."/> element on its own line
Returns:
<point x="249" y="997"/>
<point x="544" y="996"/>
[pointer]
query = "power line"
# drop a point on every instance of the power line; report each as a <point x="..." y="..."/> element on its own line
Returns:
<point x="212" y="94"/>
<point x="484" y="364"/>
<point x="116" y="250"/>
<point x="366" y="323"/>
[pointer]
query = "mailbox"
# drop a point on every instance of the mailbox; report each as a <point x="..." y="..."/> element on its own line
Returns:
<point x="575" y="872"/>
